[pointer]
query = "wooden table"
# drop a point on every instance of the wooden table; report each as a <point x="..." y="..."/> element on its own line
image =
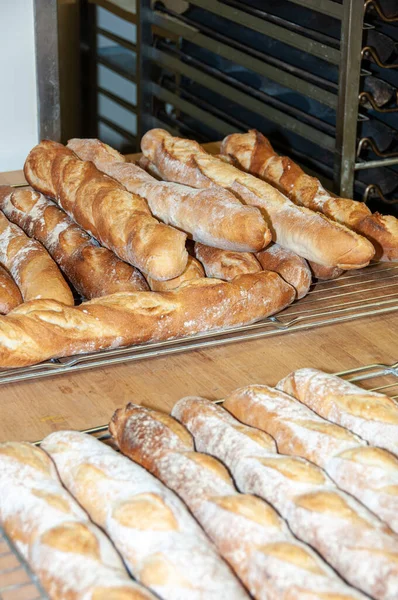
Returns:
<point x="33" y="409"/>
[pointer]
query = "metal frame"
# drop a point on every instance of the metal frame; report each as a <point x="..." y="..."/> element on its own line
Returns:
<point x="47" y="72"/>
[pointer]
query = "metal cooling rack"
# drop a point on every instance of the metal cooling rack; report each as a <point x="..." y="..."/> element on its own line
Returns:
<point x="356" y="294"/>
<point x="17" y="581"/>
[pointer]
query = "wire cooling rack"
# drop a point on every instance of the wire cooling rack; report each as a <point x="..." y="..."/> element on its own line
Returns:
<point x="17" y="582"/>
<point x="356" y="294"/>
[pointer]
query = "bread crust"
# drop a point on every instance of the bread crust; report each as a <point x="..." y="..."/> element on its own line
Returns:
<point x="10" y="296"/>
<point x="225" y="264"/>
<point x="293" y="268"/>
<point x="193" y="270"/>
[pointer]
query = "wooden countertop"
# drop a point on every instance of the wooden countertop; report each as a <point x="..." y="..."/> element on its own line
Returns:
<point x="83" y="400"/>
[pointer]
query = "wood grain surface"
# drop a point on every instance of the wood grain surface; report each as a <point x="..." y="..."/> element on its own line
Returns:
<point x="83" y="400"/>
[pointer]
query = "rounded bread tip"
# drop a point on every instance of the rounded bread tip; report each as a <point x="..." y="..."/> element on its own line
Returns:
<point x="151" y="139"/>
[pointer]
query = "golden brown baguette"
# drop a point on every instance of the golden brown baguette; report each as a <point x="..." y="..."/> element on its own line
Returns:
<point x="213" y="216"/>
<point x="324" y="273"/>
<point x="72" y="558"/>
<point x="254" y="153"/>
<point x="289" y="265"/>
<point x="371" y="415"/>
<point x="10" y="296"/>
<point x="193" y="270"/>
<point x="30" y="265"/>
<point x="92" y="270"/>
<point x="370" y="474"/>
<point x="119" y="220"/>
<point x="353" y="540"/>
<point x="299" y="229"/>
<point x="247" y="532"/>
<point x="44" y="329"/>
<point x="160" y="542"/>
<point x="225" y="264"/>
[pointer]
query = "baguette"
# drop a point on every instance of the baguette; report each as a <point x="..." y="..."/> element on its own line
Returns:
<point x="10" y="296"/>
<point x="305" y="232"/>
<point x="92" y="270"/>
<point x="119" y="220"/>
<point x="214" y="216"/>
<point x="353" y="540"/>
<point x="160" y="542"/>
<point x="324" y="273"/>
<point x="193" y="270"/>
<point x="254" y="153"/>
<point x="225" y="264"/>
<point x="72" y="558"/>
<point x="248" y="533"/>
<point x="371" y="415"/>
<point x="30" y="265"/>
<point x="45" y="329"/>
<point x="370" y="474"/>
<point x="291" y="267"/>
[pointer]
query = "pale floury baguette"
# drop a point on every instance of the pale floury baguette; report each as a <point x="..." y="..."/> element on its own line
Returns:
<point x="10" y="295"/>
<point x="367" y="472"/>
<point x="299" y="229"/>
<point x="253" y="152"/>
<point x="72" y="558"/>
<point x="371" y="415"/>
<point x="212" y="216"/>
<point x="30" y="265"/>
<point x="248" y="532"/>
<point x="193" y="270"/>
<point x="44" y="329"/>
<point x="121" y="221"/>
<point x="92" y="270"/>
<point x="293" y="268"/>
<point x="353" y="540"/>
<point x="160" y="542"/>
<point x="225" y="264"/>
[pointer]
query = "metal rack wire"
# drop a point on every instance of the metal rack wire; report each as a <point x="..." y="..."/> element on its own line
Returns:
<point x="17" y="581"/>
<point x="356" y="294"/>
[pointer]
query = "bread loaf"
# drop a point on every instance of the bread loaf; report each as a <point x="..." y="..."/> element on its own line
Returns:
<point x="160" y="542"/>
<point x="353" y="540"/>
<point x="30" y="265"/>
<point x="305" y="232"/>
<point x="10" y="296"/>
<point x="212" y="216"/>
<point x="368" y="473"/>
<point x="225" y="264"/>
<point x="324" y="273"/>
<point x="193" y="270"/>
<point x="371" y="415"/>
<point x="92" y="270"/>
<point x="254" y="153"/>
<point x="291" y="267"/>
<point x="44" y="329"/>
<point x="72" y="558"/>
<point x="119" y="220"/>
<point x="248" y="533"/>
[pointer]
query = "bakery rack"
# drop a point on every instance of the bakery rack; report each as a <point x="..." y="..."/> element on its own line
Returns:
<point x="356" y="294"/>
<point x="15" y="575"/>
<point x="17" y="581"/>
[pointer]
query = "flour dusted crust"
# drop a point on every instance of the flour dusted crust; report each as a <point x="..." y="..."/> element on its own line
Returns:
<point x="32" y="268"/>
<point x="72" y="557"/>
<point x="247" y="532"/>
<point x="293" y="268"/>
<point x="309" y="234"/>
<point x="225" y="264"/>
<point x="10" y="296"/>
<point x="368" y="473"/>
<point x="371" y="415"/>
<point x="121" y="221"/>
<point x="160" y="542"/>
<point x="253" y="152"/>
<point x="351" y="538"/>
<point x="193" y="270"/>
<point x="93" y="271"/>
<point x="43" y="329"/>
<point x="324" y="273"/>
<point x="212" y="216"/>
